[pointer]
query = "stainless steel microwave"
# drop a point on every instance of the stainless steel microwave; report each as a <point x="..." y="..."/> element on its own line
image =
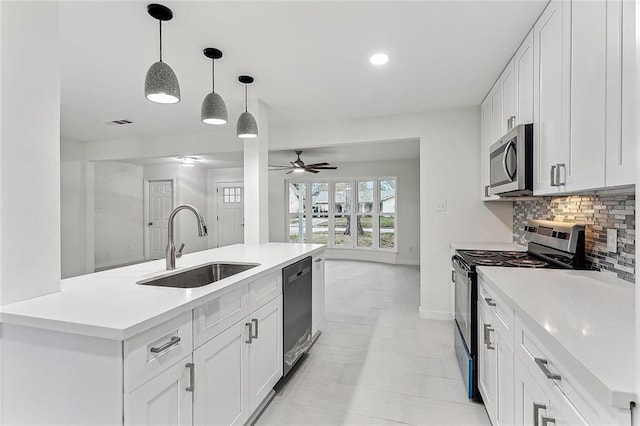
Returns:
<point x="511" y="163"/>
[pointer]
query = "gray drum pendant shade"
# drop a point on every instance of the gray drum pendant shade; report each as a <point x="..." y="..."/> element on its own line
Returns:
<point x="213" y="111"/>
<point x="161" y="84"/>
<point x="247" y="126"/>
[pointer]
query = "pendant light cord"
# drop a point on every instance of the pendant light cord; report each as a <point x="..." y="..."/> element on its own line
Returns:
<point x="160" y="39"/>
<point x="245" y="98"/>
<point x="213" y="76"/>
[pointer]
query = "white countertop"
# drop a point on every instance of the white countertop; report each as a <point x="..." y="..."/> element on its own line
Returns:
<point x="486" y="245"/>
<point x="111" y="305"/>
<point x="589" y="314"/>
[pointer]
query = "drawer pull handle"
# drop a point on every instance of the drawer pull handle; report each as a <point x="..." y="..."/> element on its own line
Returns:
<point x="542" y="363"/>
<point x="255" y="323"/>
<point x="174" y="341"/>
<point x="547" y="420"/>
<point x="250" y="325"/>
<point x="490" y="301"/>
<point x="319" y="260"/>
<point x="536" y="414"/>
<point x="192" y="377"/>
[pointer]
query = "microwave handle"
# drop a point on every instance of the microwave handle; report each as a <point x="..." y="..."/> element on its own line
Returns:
<point x="504" y="161"/>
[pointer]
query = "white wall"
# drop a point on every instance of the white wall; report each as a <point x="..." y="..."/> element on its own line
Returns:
<point x="214" y="177"/>
<point x="449" y="171"/>
<point x="118" y="214"/>
<point x="75" y="258"/>
<point x="29" y="150"/>
<point x="408" y="208"/>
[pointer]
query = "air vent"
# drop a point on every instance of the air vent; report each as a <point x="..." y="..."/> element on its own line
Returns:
<point x="119" y="122"/>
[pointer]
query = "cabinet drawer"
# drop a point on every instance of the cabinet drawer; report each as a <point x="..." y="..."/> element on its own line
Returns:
<point x="488" y="299"/>
<point x="218" y="314"/>
<point x="529" y="348"/>
<point x="264" y="290"/>
<point x="150" y="353"/>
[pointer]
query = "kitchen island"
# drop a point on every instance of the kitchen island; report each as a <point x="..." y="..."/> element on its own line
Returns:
<point x="106" y="350"/>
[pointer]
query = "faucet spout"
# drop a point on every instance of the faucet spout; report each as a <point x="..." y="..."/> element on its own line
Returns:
<point x="171" y="247"/>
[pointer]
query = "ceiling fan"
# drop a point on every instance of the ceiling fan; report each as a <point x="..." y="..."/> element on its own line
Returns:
<point x="299" y="166"/>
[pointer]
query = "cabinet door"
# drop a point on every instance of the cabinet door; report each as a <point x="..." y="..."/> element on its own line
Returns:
<point x="265" y="351"/>
<point x="498" y="126"/>
<point x="505" y="390"/>
<point x="221" y="393"/>
<point x="487" y="364"/>
<point x="163" y="400"/>
<point x="621" y="144"/>
<point x="523" y="64"/>
<point x="551" y="45"/>
<point x="508" y="89"/>
<point x="586" y="149"/>
<point x="317" y="296"/>
<point x="486" y="112"/>
<point x="531" y="403"/>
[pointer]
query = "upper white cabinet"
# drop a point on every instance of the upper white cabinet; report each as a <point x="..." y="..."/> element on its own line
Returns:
<point x="579" y="116"/>
<point x="523" y="65"/>
<point x="551" y="45"/>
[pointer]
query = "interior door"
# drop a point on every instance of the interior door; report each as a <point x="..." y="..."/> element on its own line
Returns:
<point x="230" y="217"/>
<point x="160" y="207"/>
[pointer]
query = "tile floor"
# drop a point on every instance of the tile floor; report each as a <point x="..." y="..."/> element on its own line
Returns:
<point x="376" y="362"/>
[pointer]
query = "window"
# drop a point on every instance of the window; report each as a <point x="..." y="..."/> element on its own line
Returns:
<point x="358" y="213"/>
<point x="232" y="195"/>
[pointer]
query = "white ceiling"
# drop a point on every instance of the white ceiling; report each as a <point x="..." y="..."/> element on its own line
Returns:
<point x="336" y="155"/>
<point x="309" y="59"/>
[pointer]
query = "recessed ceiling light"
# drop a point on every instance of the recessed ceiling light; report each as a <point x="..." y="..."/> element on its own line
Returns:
<point x="379" y="59"/>
<point x="188" y="161"/>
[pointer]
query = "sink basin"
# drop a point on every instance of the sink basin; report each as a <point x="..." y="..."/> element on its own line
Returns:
<point x="200" y="275"/>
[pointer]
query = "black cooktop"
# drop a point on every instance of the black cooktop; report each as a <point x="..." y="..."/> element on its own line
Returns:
<point x="516" y="259"/>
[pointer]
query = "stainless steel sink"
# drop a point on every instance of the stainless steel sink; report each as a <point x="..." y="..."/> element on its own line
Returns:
<point x="200" y="275"/>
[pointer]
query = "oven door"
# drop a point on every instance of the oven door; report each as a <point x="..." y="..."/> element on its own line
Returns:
<point x="463" y="299"/>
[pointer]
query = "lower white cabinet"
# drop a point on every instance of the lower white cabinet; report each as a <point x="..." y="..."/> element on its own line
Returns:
<point x="164" y="400"/>
<point x="317" y="294"/>
<point x="222" y="384"/>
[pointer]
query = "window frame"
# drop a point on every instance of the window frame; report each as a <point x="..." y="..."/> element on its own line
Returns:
<point x="376" y="212"/>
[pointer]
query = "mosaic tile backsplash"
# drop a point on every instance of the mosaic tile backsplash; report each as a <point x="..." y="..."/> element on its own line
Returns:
<point x="598" y="213"/>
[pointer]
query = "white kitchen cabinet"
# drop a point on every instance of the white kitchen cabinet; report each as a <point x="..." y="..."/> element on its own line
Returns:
<point x="265" y="351"/>
<point x="487" y="139"/>
<point x="222" y="385"/>
<point x="523" y="65"/>
<point x="317" y="296"/>
<point x="508" y="86"/>
<point x="621" y="83"/>
<point x="498" y="126"/>
<point x="551" y="94"/>
<point x="487" y="365"/>
<point x="164" y="400"/>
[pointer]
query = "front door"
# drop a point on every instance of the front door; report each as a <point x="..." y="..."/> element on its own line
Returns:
<point x="160" y="207"/>
<point x="230" y="213"/>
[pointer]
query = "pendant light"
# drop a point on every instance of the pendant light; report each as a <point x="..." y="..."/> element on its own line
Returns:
<point x="247" y="126"/>
<point x="214" y="111"/>
<point x="161" y="84"/>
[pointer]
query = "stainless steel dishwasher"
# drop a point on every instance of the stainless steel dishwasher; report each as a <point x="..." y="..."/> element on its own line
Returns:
<point x="296" y="291"/>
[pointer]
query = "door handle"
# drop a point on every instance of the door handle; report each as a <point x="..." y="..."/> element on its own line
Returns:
<point x="487" y="336"/>
<point x="563" y="181"/>
<point x="174" y="341"/>
<point x="150" y="223"/>
<point x="192" y="377"/>
<point x="547" y="420"/>
<point x="553" y="175"/>
<point x="536" y="414"/>
<point x="489" y="301"/>
<point x="250" y="325"/>
<point x="255" y="322"/>
<point x="542" y="364"/>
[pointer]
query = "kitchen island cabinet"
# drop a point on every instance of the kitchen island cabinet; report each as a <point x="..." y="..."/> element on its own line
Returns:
<point x="109" y="351"/>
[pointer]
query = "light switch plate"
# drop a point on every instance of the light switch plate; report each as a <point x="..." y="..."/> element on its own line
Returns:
<point x="441" y="205"/>
<point x="612" y="240"/>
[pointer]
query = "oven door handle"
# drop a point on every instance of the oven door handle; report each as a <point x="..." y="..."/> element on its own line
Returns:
<point x="458" y="266"/>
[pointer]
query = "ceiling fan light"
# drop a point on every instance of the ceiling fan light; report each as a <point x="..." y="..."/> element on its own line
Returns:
<point x="214" y="110"/>
<point x="247" y="126"/>
<point x="298" y="170"/>
<point x="161" y="84"/>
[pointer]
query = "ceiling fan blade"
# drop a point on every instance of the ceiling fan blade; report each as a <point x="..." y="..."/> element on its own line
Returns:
<point x="311" y="171"/>
<point x="289" y="172"/>
<point x="317" y="164"/>
<point x="280" y="167"/>
<point x="325" y="168"/>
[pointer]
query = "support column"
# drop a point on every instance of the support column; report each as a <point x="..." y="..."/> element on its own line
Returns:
<point x="256" y="178"/>
<point x="29" y="150"/>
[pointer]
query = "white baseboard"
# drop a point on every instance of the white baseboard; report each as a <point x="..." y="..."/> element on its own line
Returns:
<point x="434" y="315"/>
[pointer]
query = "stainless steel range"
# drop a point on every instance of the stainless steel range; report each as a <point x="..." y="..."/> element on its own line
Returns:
<point x="551" y="245"/>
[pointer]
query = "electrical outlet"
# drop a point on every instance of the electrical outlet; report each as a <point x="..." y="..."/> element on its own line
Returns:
<point x="612" y="240"/>
<point x="441" y="205"/>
